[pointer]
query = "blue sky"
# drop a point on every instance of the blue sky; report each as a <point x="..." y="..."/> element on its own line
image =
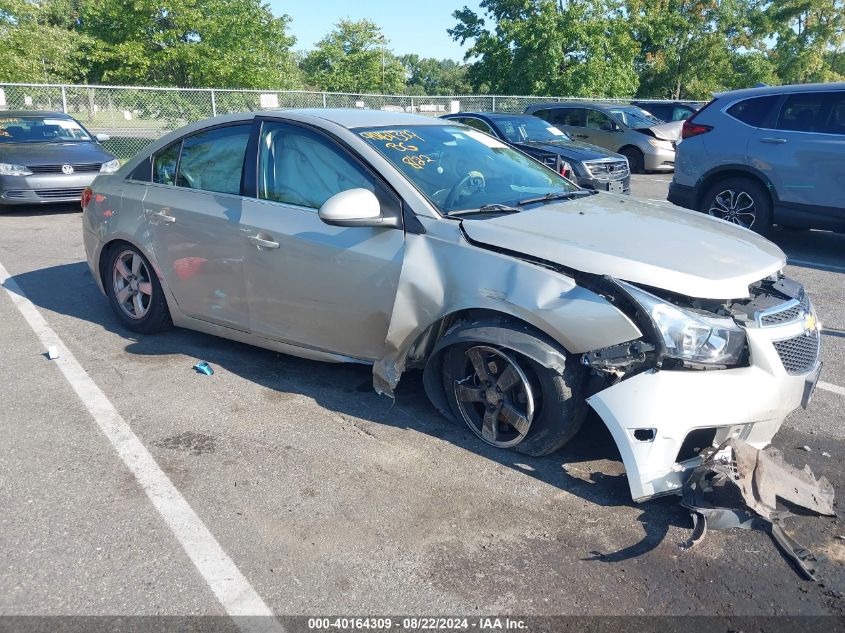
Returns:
<point x="412" y="26"/>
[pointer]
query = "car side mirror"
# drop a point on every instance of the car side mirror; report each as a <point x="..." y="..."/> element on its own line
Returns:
<point x="102" y="137"/>
<point x="355" y="207"/>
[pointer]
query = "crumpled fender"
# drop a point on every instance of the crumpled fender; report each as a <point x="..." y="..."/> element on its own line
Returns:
<point x="442" y="274"/>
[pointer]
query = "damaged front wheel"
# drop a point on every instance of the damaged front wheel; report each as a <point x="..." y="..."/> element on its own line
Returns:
<point x="511" y="401"/>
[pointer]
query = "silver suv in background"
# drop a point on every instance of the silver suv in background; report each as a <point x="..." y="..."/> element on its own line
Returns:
<point x="763" y="156"/>
<point x="646" y="141"/>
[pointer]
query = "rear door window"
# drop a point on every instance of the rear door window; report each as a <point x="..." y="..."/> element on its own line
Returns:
<point x="804" y="112"/>
<point x="213" y="160"/>
<point x="755" y="111"/>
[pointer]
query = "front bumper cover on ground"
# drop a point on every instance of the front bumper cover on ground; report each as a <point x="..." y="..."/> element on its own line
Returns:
<point x="739" y="486"/>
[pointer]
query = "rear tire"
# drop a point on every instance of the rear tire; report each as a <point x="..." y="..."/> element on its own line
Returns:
<point x="636" y="160"/>
<point x="134" y="291"/>
<point x="537" y="416"/>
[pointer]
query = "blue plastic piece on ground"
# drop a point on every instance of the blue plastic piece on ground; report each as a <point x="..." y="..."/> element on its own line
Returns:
<point x="204" y="368"/>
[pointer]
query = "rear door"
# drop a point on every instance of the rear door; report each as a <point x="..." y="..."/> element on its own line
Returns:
<point x="804" y="154"/>
<point x="193" y="208"/>
<point x="324" y="287"/>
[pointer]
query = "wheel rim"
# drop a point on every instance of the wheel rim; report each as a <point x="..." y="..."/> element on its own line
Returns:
<point x="735" y="206"/>
<point x="133" y="288"/>
<point x="495" y="399"/>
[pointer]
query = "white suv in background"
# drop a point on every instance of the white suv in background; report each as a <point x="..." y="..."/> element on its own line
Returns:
<point x="764" y="156"/>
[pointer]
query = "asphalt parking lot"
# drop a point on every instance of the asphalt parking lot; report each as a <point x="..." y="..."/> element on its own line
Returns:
<point x="326" y="498"/>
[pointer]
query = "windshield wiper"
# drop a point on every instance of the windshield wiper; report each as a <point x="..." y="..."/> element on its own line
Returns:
<point x="487" y="208"/>
<point x="560" y="195"/>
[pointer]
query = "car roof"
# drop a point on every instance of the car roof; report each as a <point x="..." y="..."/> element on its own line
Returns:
<point x="777" y="90"/>
<point x="43" y="113"/>
<point x="355" y="117"/>
<point x="491" y="115"/>
<point x="573" y="104"/>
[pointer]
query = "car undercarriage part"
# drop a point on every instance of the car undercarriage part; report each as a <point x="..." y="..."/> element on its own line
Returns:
<point x="737" y="485"/>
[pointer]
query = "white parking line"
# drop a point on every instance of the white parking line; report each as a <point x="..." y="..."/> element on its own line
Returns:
<point x="803" y="262"/>
<point x="648" y="178"/>
<point x="832" y="388"/>
<point x="224" y="579"/>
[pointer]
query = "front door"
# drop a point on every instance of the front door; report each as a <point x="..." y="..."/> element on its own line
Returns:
<point x="193" y="208"/>
<point x="319" y="286"/>
<point x="804" y="155"/>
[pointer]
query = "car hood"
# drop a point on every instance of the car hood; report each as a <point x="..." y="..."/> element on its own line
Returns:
<point x="667" y="131"/>
<point x="651" y="244"/>
<point x="75" y="152"/>
<point x="571" y="150"/>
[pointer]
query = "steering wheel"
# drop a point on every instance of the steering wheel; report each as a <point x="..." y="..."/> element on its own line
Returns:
<point x="475" y="180"/>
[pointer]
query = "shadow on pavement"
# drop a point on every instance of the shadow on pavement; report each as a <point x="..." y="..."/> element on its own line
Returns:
<point x="347" y="389"/>
<point x="819" y="250"/>
<point x="25" y="211"/>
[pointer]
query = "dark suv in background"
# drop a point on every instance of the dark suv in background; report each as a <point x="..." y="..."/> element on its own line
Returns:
<point x="589" y="166"/>
<point x="763" y="156"/>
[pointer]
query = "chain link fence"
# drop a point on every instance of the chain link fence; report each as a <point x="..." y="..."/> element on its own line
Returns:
<point x="135" y="116"/>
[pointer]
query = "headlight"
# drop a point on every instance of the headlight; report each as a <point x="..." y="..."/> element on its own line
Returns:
<point x="110" y="167"/>
<point x="7" y="169"/>
<point x="688" y="336"/>
<point x="659" y="143"/>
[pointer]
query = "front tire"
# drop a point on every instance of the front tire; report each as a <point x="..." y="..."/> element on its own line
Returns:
<point x="636" y="160"/>
<point x="511" y="401"/>
<point x="741" y="201"/>
<point x="134" y="291"/>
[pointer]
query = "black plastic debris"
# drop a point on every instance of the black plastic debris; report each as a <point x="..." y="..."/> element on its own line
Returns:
<point x="739" y="486"/>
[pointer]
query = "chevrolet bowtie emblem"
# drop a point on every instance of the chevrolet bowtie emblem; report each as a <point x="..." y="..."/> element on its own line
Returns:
<point x="810" y="323"/>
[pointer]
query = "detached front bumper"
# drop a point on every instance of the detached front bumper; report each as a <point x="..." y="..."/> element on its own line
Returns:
<point x="661" y="419"/>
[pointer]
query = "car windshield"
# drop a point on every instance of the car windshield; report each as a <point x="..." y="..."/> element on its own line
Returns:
<point x="458" y="168"/>
<point x="529" y="129"/>
<point x="40" y="129"/>
<point x="635" y="117"/>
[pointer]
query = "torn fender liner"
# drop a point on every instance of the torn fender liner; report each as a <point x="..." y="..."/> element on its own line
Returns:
<point x="738" y="485"/>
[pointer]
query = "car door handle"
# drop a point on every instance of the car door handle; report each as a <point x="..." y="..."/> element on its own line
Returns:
<point x="261" y="242"/>
<point x="580" y="136"/>
<point x="773" y="140"/>
<point x="161" y="215"/>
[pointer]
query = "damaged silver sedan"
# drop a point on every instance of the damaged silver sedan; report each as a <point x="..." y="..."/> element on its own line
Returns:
<point x="403" y="241"/>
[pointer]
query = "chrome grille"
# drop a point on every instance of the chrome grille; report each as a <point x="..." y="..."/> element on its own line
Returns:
<point x="12" y="193"/>
<point x="793" y="310"/>
<point x="55" y="194"/>
<point x="57" y="169"/>
<point x="799" y="354"/>
<point x="608" y="170"/>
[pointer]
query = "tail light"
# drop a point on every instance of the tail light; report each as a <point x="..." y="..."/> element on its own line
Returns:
<point x="691" y="129"/>
<point x="86" y="196"/>
<point x="566" y="170"/>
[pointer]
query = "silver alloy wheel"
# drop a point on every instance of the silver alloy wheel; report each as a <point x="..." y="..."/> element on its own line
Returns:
<point x="496" y="400"/>
<point x="132" y="284"/>
<point x="735" y="206"/>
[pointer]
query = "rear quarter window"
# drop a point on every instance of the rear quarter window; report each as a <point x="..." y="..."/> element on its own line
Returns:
<point x="754" y="111"/>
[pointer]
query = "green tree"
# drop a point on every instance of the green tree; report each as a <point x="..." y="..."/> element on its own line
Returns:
<point x="809" y="37"/>
<point x="691" y="48"/>
<point x="428" y="76"/>
<point x="187" y="43"/>
<point x="354" y="58"/>
<point x="36" y="44"/>
<point x="578" y="47"/>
